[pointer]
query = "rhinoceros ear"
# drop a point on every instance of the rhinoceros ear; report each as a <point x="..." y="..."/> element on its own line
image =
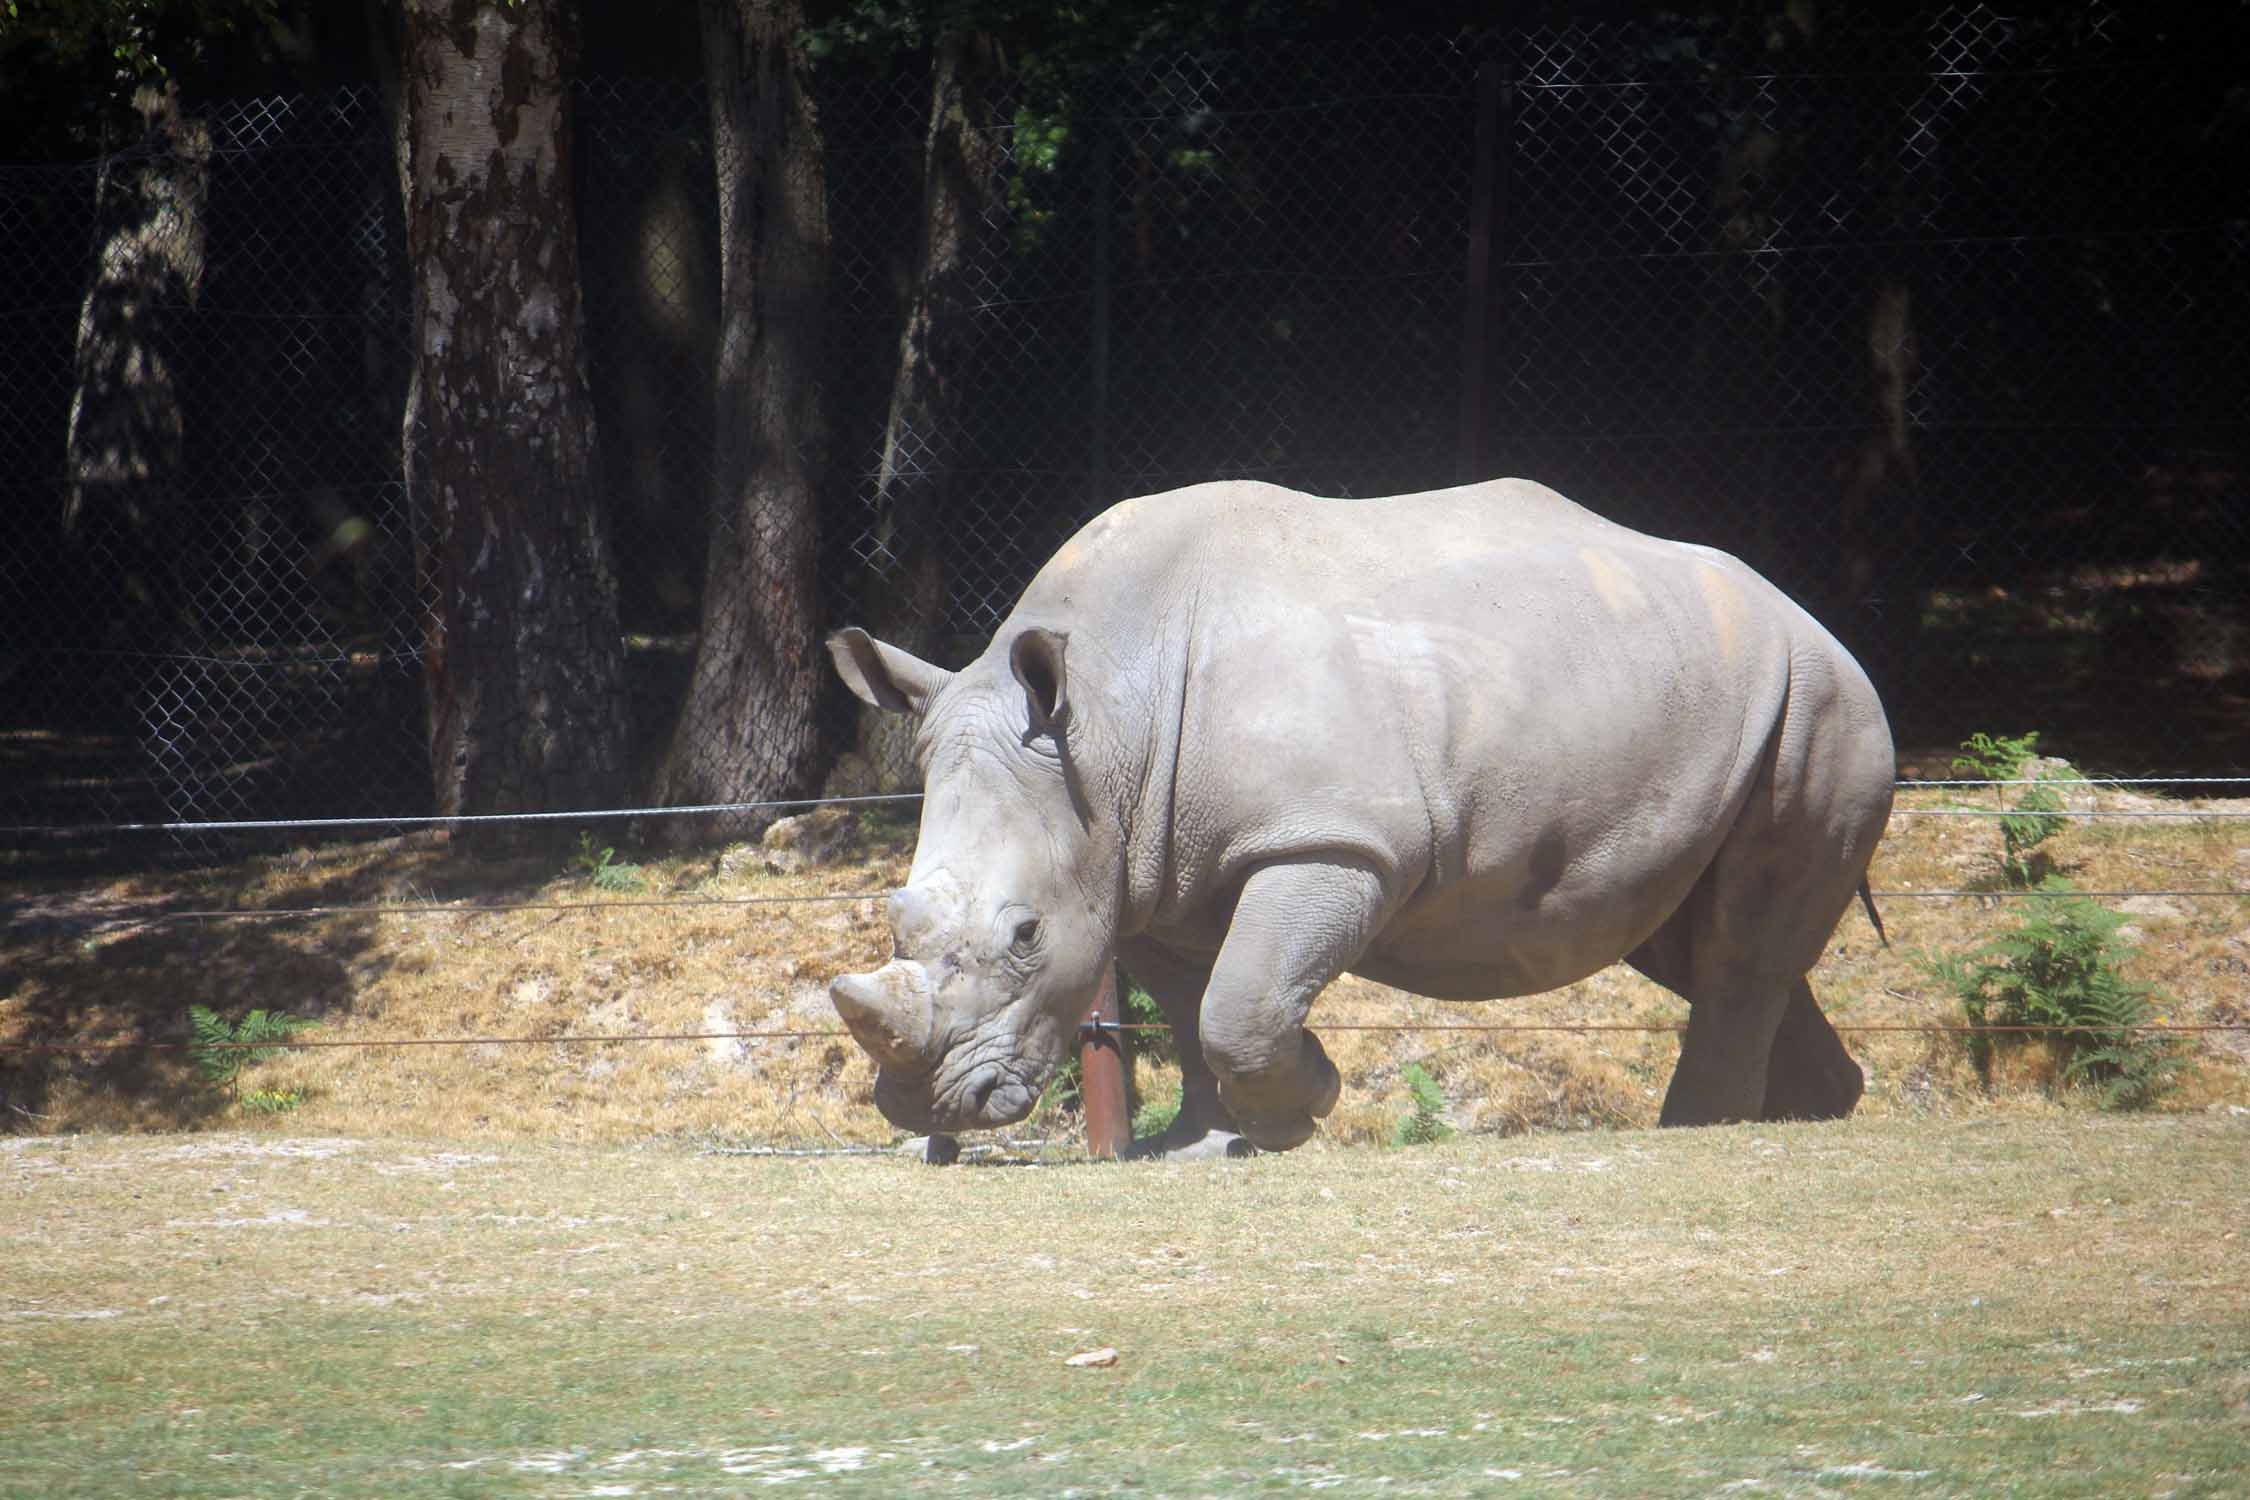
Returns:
<point x="884" y="676"/>
<point x="1037" y="660"/>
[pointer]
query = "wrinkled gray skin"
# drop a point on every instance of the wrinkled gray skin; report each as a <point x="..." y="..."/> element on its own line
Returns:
<point x="1473" y="743"/>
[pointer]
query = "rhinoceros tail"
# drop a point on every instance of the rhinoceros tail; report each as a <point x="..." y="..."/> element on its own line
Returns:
<point x="1867" y="899"/>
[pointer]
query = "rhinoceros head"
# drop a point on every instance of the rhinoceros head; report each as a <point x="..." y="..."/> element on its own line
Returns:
<point x="999" y="935"/>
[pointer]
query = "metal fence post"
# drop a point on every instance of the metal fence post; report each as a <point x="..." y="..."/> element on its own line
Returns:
<point x="1103" y="1064"/>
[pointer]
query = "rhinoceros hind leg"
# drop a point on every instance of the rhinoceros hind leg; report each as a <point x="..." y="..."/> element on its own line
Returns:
<point x="1809" y="1076"/>
<point x="1721" y="1075"/>
<point x="1297" y="925"/>
<point x="1732" y="1018"/>
<point x="1737" y="950"/>
<point x="1202" y="1130"/>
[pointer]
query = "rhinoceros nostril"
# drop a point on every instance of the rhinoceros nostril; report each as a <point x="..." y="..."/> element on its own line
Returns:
<point x="984" y="1092"/>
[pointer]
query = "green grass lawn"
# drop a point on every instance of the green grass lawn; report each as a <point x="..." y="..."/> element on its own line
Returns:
<point x="2034" y="1307"/>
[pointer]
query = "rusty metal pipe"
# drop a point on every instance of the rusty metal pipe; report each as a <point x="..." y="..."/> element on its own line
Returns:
<point x="1103" y="1070"/>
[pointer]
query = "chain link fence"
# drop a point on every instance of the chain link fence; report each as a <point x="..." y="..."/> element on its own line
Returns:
<point x="1936" y="321"/>
<point x="210" y="604"/>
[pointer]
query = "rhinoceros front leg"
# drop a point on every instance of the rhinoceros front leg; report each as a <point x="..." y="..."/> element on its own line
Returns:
<point x="1202" y="1128"/>
<point x="1297" y="926"/>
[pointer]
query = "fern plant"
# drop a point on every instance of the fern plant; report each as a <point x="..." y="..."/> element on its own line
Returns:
<point x="1424" y="1120"/>
<point x="221" y="1051"/>
<point x="604" y="869"/>
<point x="1996" y="757"/>
<point x="1138" y="1007"/>
<point x="2060" y="967"/>
<point x="2034" y="821"/>
<point x="2037" y="814"/>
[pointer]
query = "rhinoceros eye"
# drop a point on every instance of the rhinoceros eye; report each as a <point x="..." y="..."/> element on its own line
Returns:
<point x="1027" y="933"/>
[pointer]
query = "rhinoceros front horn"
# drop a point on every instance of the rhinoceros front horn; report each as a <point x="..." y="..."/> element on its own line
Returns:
<point x="887" y="1011"/>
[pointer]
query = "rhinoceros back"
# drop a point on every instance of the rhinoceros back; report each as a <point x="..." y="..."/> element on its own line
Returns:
<point x="1504" y="701"/>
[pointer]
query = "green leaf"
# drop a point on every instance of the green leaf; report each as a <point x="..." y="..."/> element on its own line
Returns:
<point x="221" y="1051"/>
<point x="1424" y="1120"/>
<point x="2060" y="966"/>
<point x="604" y="869"/>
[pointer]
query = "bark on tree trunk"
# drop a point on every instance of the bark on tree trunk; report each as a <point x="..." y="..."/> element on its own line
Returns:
<point x="1877" y="507"/>
<point x="906" y="589"/>
<point x="125" y="443"/>
<point x="523" y="662"/>
<point x="749" y="730"/>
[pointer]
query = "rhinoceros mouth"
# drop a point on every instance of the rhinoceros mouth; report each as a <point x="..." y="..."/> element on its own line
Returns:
<point x="992" y="1096"/>
<point x="975" y="1093"/>
<point x="988" y="1095"/>
<point x="983" y="1101"/>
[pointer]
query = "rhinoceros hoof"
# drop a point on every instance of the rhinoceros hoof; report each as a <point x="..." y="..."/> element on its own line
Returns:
<point x="1205" y="1145"/>
<point x="1214" y="1145"/>
<point x="1278" y="1133"/>
<point x="937" y="1150"/>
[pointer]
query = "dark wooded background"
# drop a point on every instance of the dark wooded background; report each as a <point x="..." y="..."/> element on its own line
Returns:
<point x="1937" y="320"/>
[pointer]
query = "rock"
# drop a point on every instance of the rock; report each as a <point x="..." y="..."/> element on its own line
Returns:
<point x="821" y="837"/>
<point x="612" y="1015"/>
<point x="723" y="1051"/>
<point x="852" y="776"/>
<point x="2082" y="796"/>
<point x="2157" y="908"/>
<point x="2075" y="795"/>
<point x="1093" y="1359"/>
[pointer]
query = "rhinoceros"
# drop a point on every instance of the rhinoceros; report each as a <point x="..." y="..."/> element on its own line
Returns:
<point x="1472" y="743"/>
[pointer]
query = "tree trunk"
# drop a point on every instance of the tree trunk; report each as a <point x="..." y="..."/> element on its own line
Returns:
<point x="906" y="589"/>
<point x="1879" y="484"/>
<point x="125" y="443"/>
<point x="523" y="663"/>
<point x="750" y="730"/>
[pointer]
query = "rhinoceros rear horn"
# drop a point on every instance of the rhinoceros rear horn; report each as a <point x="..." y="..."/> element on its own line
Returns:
<point x="883" y="676"/>
<point x="1037" y="660"/>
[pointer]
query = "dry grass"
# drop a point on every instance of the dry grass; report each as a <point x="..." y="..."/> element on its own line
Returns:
<point x="401" y="971"/>
<point x="601" y="964"/>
